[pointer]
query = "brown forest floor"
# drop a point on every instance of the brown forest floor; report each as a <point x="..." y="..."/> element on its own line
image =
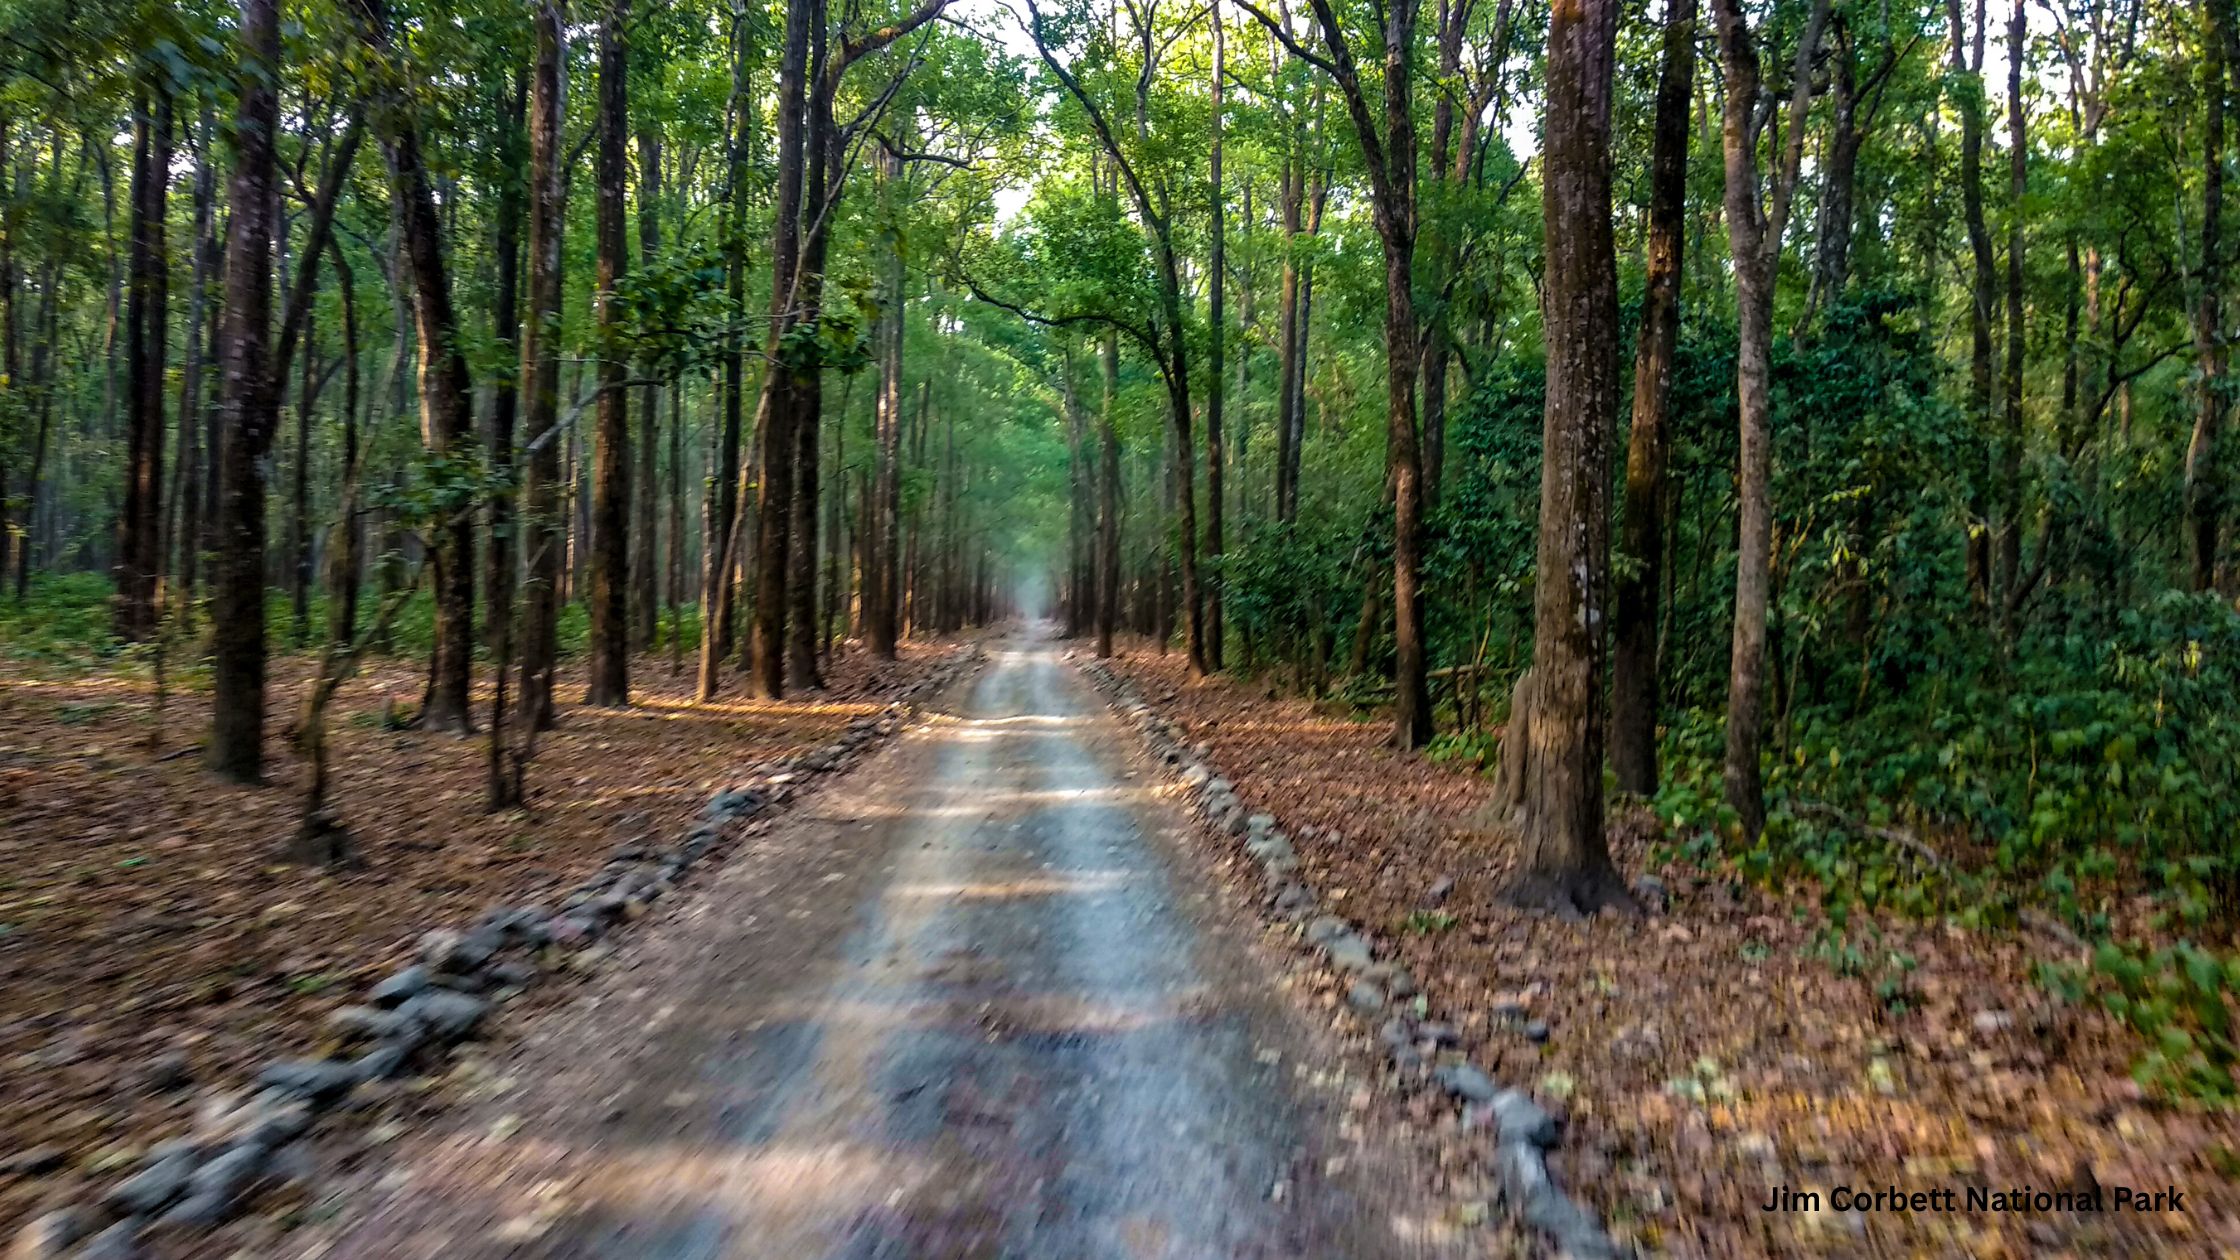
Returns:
<point x="144" y="918"/>
<point x="1704" y="1056"/>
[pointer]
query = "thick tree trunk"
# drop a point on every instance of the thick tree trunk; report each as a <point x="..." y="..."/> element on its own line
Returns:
<point x="543" y="528"/>
<point x="1635" y="690"/>
<point x="609" y="684"/>
<point x="777" y="414"/>
<point x="139" y="559"/>
<point x="249" y="407"/>
<point x="1567" y="861"/>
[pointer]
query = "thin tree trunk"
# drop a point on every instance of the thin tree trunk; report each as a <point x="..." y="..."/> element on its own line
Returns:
<point x="1216" y="281"/>
<point x="1634" y="691"/>
<point x="139" y="560"/>
<point x="646" y="534"/>
<point x="2204" y="480"/>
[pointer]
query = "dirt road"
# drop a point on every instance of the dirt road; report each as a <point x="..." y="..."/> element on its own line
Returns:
<point x="978" y="998"/>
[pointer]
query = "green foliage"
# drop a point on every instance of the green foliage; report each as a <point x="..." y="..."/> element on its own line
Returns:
<point x="2178" y="999"/>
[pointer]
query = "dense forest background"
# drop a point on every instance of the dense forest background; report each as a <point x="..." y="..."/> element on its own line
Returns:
<point x="1818" y="411"/>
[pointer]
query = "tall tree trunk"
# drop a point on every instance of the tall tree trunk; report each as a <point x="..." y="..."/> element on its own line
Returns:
<point x="1559" y="733"/>
<point x="186" y="533"/>
<point x="645" y="530"/>
<point x="720" y="545"/>
<point x="249" y="406"/>
<point x="139" y="559"/>
<point x="880" y="589"/>
<point x="1288" y="325"/>
<point x="345" y="551"/>
<point x="1634" y="687"/>
<point x="2009" y="445"/>
<point x="610" y="510"/>
<point x="505" y="401"/>
<point x="1754" y="232"/>
<point x="2204" y="479"/>
<point x="446" y="416"/>
<point x="544" y="528"/>
<point x="1108" y="502"/>
<point x="777" y="422"/>
<point x="1983" y="291"/>
<point x="1217" y="280"/>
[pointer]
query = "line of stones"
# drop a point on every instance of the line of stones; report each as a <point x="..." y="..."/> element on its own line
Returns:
<point x="1381" y="993"/>
<point x="242" y="1139"/>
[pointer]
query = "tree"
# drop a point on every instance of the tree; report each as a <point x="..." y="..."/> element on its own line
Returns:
<point x="1388" y="151"/>
<point x="610" y="510"/>
<point x="139" y="537"/>
<point x="540" y="367"/>
<point x="446" y="428"/>
<point x="249" y="411"/>
<point x="1557" y="728"/>
<point x="1754" y="233"/>
<point x="1634" y="691"/>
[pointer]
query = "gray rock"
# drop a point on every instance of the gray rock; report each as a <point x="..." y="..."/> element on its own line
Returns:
<point x="1438" y="1034"/>
<point x="1365" y="998"/>
<point x="319" y="1080"/>
<point x="385" y="1062"/>
<point x="449" y="1016"/>
<point x="276" y="1117"/>
<point x="230" y="1173"/>
<point x="1519" y="1119"/>
<point x="1258" y="825"/>
<point x="1270" y="846"/>
<point x="365" y="1023"/>
<point x="120" y="1241"/>
<point x="1326" y="928"/>
<point x="1465" y="1082"/>
<point x="1195" y="774"/>
<point x="1536" y="1031"/>
<point x="574" y="930"/>
<point x="197" y="1211"/>
<point x="51" y="1235"/>
<point x="1524" y="1177"/>
<point x="1349" y="953"/>
<point x="160" y="1180"/>
<point x="1293" y="898"/>
<point x="514" y="974"/>
<point x="1438" y="891"/>
<point x="1395" y="1032"/>
<point x="399" y="988"/>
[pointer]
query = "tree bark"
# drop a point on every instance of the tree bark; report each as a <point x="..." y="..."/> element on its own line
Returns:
<point x="1983" y="291"/>
<point x="776" y="419"/>
<point x="720" y="547"/>
<point x="445" y="411"/>
<point x="1567" y="861"/>
<point x="1635" y="689"/>
<point x="249" y="409"/>
<point x="543" y="530"/>
<point x="645" y="534"/>
<point x="609" y="684"/>
<point x="139" y="560"/>
<point x="505" y="400"/>
<point x="1754" y="232"/>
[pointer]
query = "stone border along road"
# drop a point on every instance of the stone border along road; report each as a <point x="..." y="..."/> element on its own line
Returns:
<point x="1421" y="1050"/>
<point x="412" y="1019"/>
